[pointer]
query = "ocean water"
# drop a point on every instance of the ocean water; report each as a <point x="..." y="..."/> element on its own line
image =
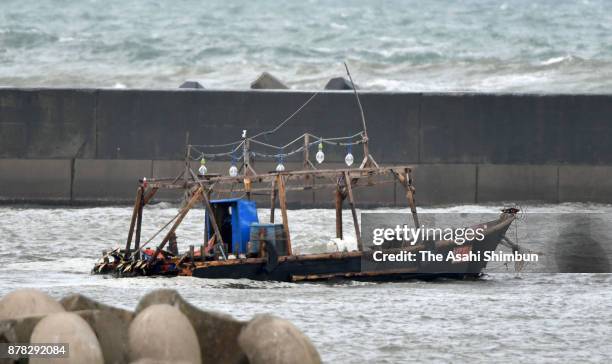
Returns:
<point x="552" y="46"/>
<point x="505" y="317"/>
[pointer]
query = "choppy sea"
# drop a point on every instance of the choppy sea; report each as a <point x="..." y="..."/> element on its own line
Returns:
<point x="553" y="46"/>
<point x="504" y="317"/>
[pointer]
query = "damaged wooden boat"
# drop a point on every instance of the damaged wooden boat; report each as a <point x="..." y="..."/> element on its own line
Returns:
<point x="238" y="245"/>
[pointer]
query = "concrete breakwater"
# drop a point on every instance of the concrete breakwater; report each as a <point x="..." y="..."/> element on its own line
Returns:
<point x="164" y="328"/>
<point x="91" y="145"/>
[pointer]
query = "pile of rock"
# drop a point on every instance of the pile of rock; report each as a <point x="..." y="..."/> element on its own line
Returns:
<point x="164" y="328"/>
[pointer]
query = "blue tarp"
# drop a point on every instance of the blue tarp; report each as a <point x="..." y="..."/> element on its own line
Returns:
<point x="243" y="213"/>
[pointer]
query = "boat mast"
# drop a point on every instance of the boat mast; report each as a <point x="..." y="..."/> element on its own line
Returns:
<point x="368" y="160"/>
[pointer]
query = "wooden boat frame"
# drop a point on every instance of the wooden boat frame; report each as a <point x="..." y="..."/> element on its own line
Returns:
<point x="276" y="184"/>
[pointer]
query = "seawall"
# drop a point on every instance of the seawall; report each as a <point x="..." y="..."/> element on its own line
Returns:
<point x="91" y="145"/>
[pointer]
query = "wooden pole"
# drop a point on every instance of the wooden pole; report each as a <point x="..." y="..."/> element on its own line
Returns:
<point x="363" y="119"/>
<point x="247" y="187"/>
<point x="246" y="158"/>
<point x="410" y="196"/>
<point x="339" y="200"/>
<point x="139" y="221"/>
<point x="273" y="194"/>
<point x="347" y="181"/>
<point x="306" y="151"/>
<point x="213" y="222"/>
<point x="196" y="196"/>
<point x="150" y="195"/>
<point x="206" y="227"/>
<point x="128" y="244"/>
<point x="405" y="180"/>
<point x="283" y="205"/>
<point x="367" y="158"/>
<point x="366" y="154"/>
<point x="245" y="155"/>
<point x="187" y="158"/>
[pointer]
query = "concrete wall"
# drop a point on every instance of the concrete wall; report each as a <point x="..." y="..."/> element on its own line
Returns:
<point x="92" y="145"/>
<point x="403" y="127"/>
<point x="35" y="180"/>
<point x="87" y="181"/>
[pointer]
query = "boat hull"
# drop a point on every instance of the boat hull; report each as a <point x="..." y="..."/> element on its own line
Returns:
<point x="355" y="265"/>
<point x="362" y="265"/>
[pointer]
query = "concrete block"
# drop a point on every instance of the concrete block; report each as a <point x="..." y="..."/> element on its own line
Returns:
<point x="69" y="328"/>
<point x="585" y="184"/>
<point x="272" y="340"/>
<point x="191" y="84"/>
<point x="108" y="180"/>
<point x="438" y="184"/>
<point x="35" y="179"/>
<point x="517" y="183"/>
<point x="179" y="344"/>
<point x="267" y="81"/>
<point x="217" y="333"/>
<point x="339" y="83"/>
<point x="27" y="302"/>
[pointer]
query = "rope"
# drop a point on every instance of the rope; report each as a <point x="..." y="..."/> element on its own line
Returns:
<point x="338" y="138"/>
<point x="159" y="231"/>
<point x="329" y="141"/>
<point x="280" y="125"/>
<point x="288" y="118"/>
<point x="278" y="155"/>
<point x="214" y="155"/>
<point x="217" y="145"/>
<point x="335" y="141"/>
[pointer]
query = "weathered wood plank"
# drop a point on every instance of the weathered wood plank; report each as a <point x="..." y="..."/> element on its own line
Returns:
<point x="349" y="190"/>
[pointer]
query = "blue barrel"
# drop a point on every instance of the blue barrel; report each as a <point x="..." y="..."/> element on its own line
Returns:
<point x="271" y="233"/>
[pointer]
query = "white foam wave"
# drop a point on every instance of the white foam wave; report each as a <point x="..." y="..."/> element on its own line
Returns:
<point x="558" y="60"/>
